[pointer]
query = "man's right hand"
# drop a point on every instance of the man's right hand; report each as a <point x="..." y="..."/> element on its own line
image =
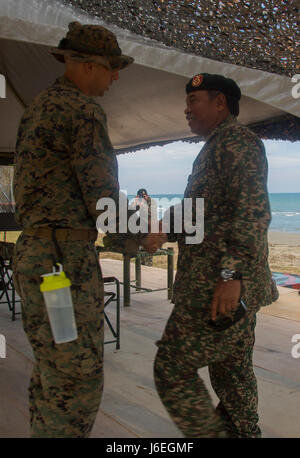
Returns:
<point x="226" y="297"/>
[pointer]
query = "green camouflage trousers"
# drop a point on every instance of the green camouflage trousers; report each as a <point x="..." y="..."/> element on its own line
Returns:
<point x="187" y="344"/>
<point x="67" y="380"/>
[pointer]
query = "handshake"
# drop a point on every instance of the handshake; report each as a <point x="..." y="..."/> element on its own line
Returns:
<point x="154" y="241"/>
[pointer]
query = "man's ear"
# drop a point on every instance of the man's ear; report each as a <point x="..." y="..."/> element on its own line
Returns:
<point x="221" y="102"/>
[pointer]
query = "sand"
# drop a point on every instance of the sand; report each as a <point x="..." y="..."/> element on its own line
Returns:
<point x="284" y="252"/>
<point x="284" y="238"/>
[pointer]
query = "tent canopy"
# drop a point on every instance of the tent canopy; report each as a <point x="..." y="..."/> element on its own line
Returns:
<point x="146" y="106"/>
<point x="254" y="34"/>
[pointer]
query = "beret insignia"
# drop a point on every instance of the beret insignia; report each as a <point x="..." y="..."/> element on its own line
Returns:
<point x="197" y="80"/>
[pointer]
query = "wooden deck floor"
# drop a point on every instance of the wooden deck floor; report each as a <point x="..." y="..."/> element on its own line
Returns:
<point x="130" y="406"/>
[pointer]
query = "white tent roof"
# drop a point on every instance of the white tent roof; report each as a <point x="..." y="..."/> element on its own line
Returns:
<point x="147" y="103"/>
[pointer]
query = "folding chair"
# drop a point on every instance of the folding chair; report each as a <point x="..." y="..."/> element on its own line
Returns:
<point x="111" y="296"/>
<point x="7" y="289"/>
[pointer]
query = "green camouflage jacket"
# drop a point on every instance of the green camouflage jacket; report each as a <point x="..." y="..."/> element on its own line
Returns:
<point x="230" y="173"/>
<point x="64" y="160"/>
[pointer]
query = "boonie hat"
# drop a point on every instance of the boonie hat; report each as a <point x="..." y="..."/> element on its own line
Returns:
<point x="210" y="82"/>
<point x="91" y="43"/>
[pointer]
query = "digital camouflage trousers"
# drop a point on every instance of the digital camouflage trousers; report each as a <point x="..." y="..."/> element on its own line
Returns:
<point x="67" y="380"/>
<point x="188" y="344"/>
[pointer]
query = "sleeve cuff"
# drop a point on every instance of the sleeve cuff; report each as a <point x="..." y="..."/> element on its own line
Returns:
<point x="232" y="263"/>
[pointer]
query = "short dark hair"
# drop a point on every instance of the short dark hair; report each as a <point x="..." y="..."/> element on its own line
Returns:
<point x="232" y="102"/>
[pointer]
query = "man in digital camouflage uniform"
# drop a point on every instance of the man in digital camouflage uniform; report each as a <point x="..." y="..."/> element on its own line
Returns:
<point x="230" y="173"/>
<point x="64" y="164"/>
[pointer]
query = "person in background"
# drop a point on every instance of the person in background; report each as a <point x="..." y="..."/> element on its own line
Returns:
<point x="142" y="198"/>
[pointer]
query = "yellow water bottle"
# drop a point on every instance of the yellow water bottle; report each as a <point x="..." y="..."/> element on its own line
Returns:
<point x="58" y="299"/>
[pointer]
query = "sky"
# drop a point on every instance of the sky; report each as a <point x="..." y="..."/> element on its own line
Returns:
<point x="164" y="169"/>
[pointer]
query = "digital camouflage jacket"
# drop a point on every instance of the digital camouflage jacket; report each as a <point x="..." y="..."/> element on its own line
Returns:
<point x="64" y="161"/>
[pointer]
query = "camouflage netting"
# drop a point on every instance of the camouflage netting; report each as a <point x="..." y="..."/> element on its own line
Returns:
<point x="286" y="127"/>
<point x="261" y="35"/>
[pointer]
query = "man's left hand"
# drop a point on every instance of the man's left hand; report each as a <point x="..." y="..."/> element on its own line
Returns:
<point x="226" y="297"/>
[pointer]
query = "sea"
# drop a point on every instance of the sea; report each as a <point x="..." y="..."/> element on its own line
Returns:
<point x="285" y="209"/>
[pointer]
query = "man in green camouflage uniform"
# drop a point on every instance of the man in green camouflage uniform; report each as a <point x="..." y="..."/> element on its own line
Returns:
<point x="64" y="164"/>
<point x="230" y="173"/>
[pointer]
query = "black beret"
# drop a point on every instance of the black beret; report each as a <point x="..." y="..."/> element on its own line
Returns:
<point x="209" y="82"/>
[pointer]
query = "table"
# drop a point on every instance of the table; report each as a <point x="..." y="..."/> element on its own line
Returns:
<point x="169" y="252"/>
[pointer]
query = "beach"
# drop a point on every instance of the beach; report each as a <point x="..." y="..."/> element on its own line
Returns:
<point x="284" y="252"/>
